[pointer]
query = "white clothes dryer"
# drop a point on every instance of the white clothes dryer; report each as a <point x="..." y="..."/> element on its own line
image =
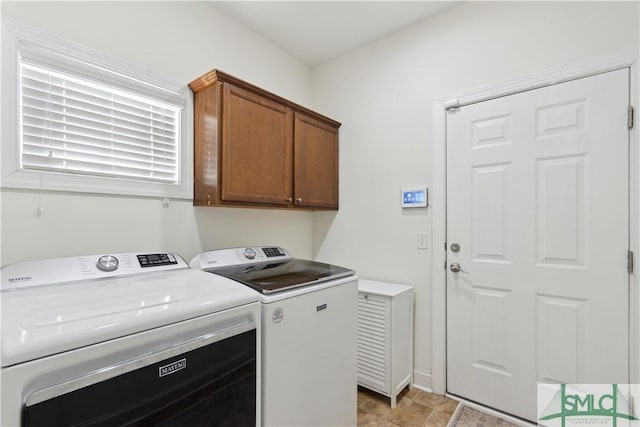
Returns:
<point x="127" y="339"/>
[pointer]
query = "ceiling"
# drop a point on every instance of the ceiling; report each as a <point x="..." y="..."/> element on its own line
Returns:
<point x="318" y="31"/>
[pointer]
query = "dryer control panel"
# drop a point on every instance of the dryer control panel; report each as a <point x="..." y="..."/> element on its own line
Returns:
<point x="73" y="269"/>
<point x="156" y="260"/>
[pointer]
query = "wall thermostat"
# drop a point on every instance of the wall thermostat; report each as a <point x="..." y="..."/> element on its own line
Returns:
<point x="414" y="197"/>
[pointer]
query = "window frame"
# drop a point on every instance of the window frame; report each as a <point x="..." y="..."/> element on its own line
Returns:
<point x="19" y="41"/>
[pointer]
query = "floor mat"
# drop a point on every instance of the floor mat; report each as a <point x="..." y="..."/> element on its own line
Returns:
<point x="465" y="416"/>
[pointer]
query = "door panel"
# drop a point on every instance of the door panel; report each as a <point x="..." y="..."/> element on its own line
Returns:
<point x="256" y="148"/>
<point x="490" y="203"/>
<point x="315" y="163"/>
<point x="537" y="199"/>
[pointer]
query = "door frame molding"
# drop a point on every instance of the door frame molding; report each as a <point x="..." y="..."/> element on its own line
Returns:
<point x="625" y="58"/>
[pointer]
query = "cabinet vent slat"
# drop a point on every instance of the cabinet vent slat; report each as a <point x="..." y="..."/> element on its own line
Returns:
<point x="372" y="370"/>
<point x="371" y="311"/>
<point x="372" y="308"/>
<point x="379" y="317"/>
<point x="372" y="325"/>
<point x="371" y="379"/>
<point x="365" y="339"/>
<point x="371" y="349"/>
<point x="371" y="321"/>
<point x="368" y="312"/>
<point x="371" y="303"/>
<point x="371" y="360"/>
<point x="364" y="319"/>
<point x="371" y="317"/>
<point x="376" y="337"/>
<point x="377" y="376"/>
<point x="366" y="336"/>
<point x="372" y="357"/>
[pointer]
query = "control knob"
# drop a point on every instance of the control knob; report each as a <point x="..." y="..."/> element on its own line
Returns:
<point x="250" y="253"/>
<point x="107" y="263"/>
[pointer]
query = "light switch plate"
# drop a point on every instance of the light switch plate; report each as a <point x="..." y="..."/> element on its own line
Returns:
<point x="423" y="240"/>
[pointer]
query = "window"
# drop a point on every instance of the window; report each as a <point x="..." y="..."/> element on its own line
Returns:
<point x="75" y="120"/>
<point x="78" y="126"/>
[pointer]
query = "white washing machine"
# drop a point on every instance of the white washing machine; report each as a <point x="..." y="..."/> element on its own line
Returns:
<point x="127" y="339"/>
<point x="309" y="310"/>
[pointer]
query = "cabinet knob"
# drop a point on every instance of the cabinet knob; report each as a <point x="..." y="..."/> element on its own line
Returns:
<point x="299" y="200"/>
<point x="289" y="199"/>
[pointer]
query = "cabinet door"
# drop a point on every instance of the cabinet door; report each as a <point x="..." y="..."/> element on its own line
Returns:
<point x="256" y="149"/>
<point x="315" y="163"/>
<point x="374" y="342"/>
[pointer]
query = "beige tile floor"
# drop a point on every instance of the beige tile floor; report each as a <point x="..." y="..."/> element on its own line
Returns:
<point x="415" y="408"/>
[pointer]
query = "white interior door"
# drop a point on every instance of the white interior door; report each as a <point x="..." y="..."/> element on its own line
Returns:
<point x="538" y="202"/>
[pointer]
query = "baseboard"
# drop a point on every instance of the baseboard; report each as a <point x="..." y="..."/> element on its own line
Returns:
<point x="422" y="381"/>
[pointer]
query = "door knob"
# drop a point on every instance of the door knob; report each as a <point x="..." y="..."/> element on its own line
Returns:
<point x="455" y="267"/>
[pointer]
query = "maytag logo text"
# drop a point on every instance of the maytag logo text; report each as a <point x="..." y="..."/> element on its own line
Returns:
<point x="172" y="367"/>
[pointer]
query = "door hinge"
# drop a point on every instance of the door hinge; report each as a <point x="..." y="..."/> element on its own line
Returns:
<point x="630" y="117"/>
<point x="630" y="261"/>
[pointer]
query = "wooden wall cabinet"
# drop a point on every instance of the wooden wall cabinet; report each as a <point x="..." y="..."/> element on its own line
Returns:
<point x="254" y="148"/>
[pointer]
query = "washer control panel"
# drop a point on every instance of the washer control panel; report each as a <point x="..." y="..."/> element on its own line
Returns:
<point x="273" y="252"/>
<point x="239" y="256"/>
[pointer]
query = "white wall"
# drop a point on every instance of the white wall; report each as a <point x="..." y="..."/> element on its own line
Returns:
<point x="180" y="41"/>
<point x="383" y="94"/>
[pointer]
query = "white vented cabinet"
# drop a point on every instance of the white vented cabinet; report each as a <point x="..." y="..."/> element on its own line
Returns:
<point x="385" y="337"/>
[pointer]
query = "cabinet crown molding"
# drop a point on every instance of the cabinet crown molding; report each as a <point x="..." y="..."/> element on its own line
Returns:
<point x="217" y="76"/>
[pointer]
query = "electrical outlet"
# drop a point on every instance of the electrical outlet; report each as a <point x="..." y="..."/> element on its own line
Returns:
<point x="423" y="240"/>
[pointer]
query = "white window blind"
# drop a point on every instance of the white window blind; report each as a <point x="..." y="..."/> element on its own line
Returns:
<point x="75" y="125"/>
